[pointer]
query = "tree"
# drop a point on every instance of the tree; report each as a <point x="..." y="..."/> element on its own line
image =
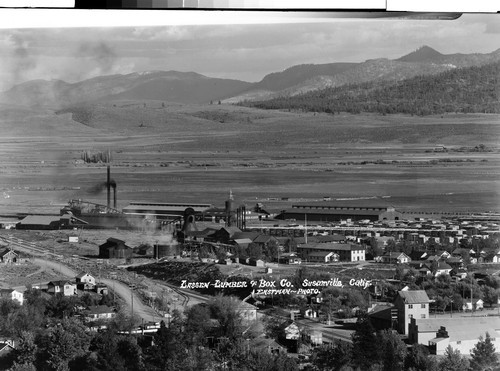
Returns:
<point x="272" y="326"/>
<point x="490" y="295"/>
<point x="418" y="359"/>
<point x="263" y="361"/>
<point x="197" y="324"/>
<point x="365" y="347"/>
<point x="453" y="361"/>
<point x="167" y="351"/>
<point x="225" y="310"/>
<point x="26" y="349"/>
<point x="23" y="367"/>
<point x="63" y="342"/>
<point x="104" y="354"/>
<point x="483" y="355"/>
<point x="332" y="358"/>
<point x="272" y="250"/>
<point x="254" y="251"/>
<point x="59" y="306"/>
<point x="391" y="246"/>
<point x="26" y="318"/>
<point x="393" y="350"/>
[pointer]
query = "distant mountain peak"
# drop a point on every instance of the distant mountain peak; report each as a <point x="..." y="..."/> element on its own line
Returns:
<point x="423" y="54"/>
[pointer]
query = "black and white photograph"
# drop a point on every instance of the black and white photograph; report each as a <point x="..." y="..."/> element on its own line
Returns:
<point x="251" y="191"/>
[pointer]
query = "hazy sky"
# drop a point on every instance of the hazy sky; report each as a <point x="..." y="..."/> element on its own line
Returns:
<point x="240" y="51"/>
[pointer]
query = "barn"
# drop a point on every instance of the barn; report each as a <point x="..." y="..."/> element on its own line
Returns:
<point x="114" y="248"/>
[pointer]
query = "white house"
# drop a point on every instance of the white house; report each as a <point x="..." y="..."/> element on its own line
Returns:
<point x="410" y="304"/>
<point x="85" y="277"/>
<point x="96" y="312"/>
<point x="323" y="257"/>
<point x="475" y="304"/>
<point x="443" y="268"/>
<point x="248" y="311"/>
<point x="496" y="257"/>
<point x="12" y="294"/>
<point x="395" y="258"/>
<point x="65" y="287"/>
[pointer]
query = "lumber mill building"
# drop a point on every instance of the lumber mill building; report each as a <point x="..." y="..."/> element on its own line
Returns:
<point x="329" y="212"/>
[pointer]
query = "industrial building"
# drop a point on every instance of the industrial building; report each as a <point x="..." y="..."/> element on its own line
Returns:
<point x="461" y="333"/>
<point x="330" y="212"/>
<point x="163" y="210"/>
<point x="48" y="222"/>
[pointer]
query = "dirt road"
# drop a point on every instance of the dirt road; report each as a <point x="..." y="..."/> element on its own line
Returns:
<point x="143" y="311"/>
<point x="132" y="299"/>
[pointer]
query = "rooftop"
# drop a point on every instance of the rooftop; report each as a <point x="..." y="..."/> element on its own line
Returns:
<point x="414" y="296"/>
<point x="462" y="328"/>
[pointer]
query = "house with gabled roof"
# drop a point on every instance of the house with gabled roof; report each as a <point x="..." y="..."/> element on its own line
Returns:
<point x="99" y="312"/>
<point x="474" y="304"/>
<point x="289" y="258"/>
<point x="248" y="311"/>
<point x="410" y="304"/>
<point x="9" y="256"/>
<point x="394" y="257"/>
<point x="267" y="345"/>
<point x="66" y="288"/>
<point x="496" y="257"/>
<point x="323" y="257"/>
<point x="6" y="347"/>
<point x="442" y="268"/>
<point x="85" y="277"/>
<point x="243" y="242"/>
<point x="455" y="262"/>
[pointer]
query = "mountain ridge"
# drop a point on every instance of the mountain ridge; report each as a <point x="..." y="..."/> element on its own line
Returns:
<point x="192" y="87"/>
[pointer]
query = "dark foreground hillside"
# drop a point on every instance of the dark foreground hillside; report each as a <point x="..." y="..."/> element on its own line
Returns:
<point x="465" y="90"/>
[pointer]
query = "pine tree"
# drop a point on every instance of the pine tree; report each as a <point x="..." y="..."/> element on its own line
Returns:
<point x="483" y="355"/>
<point x="453" y="361"/>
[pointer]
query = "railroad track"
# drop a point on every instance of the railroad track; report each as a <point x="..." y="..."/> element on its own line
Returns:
<point x="185" y="297"/>
<point x="28" y="246"/>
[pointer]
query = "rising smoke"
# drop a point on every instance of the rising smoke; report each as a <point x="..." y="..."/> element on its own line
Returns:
<point x="101" y="54"/>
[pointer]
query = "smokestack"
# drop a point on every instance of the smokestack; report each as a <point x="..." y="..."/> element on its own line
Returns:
<point x="114" y="196"/>
<point x="108" y="185"/>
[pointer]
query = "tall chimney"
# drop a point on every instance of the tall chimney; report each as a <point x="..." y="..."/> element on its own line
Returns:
<point x="108" y="186"/>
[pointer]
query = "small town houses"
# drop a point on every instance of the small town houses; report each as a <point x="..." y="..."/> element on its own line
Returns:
<point x="84" y="282"/>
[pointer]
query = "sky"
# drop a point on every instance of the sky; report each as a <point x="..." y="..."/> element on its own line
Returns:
<point x="245" y="49"/>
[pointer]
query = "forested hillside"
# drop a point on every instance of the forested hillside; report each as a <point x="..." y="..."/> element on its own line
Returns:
<point x="467" y="90"/>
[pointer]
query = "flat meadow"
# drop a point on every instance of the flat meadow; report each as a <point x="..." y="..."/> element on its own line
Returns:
<point x="198" y="153"/>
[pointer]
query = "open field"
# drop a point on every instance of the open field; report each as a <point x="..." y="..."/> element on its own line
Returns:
<point x="194" y="153"/>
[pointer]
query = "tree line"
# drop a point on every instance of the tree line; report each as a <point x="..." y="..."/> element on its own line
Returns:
<point x="213" y="336"/>
<point x="464" y="90"/>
